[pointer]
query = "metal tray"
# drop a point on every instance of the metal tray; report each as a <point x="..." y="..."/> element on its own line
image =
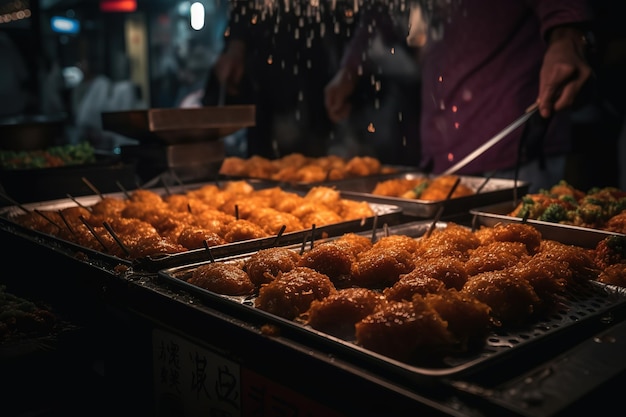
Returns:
<point x="571" y="235"/>
<point x="489" y="191"/>
<point x="384" y="214"/>
<point x="174" y="126"/>
<point x="587" y="304"/>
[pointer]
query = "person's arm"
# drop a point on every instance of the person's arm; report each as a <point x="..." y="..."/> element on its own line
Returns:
<point x="565" y="69"/>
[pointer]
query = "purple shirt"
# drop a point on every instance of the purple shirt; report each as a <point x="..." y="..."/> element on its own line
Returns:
<point x="480" y="71"/>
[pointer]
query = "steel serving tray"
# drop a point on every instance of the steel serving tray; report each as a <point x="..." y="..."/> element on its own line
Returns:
<point x="488" y="191"/>
<point x="571" y="235"/>
<point x="383" y="214"/>
<point x="587" y="303"/>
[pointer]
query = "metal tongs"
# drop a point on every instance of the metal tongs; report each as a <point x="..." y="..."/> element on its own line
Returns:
<point x="495" y="139"/>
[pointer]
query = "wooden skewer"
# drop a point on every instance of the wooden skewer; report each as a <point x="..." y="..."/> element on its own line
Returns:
<point x="78" y="203"/>
<point x="117" y="239"/>
<point x="208" y="249"/>
<point x="280" y="233"/>
<point x="121" y="187"/>
<point x="93" y="232"/>
<point x="92" y="187"/>
<point x="66" y="222"/>
<point x="45" y="216"/>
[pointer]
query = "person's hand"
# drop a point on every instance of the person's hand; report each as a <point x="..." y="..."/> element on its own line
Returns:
<point x="230" y="67"/>
<point x="564" y="71"/>
<point x="337" y="95"/>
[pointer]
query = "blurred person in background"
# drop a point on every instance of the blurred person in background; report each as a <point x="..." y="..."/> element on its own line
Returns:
<point x="482" y="65"/>
<point x="15" y="94"/>
<point x="279" y="56"/>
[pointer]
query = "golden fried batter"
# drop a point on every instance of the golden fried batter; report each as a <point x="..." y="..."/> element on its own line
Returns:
<point x="381" y="268"/>
<point x="222" y="278"/>
<point x="264" y="265"/>
<point x="339" y="312"/>
<point x="512" y="300"/>
<point x="292" y="292"/>
<point x="494" y="256"/>
<point x="332" y="259"/>
<point x="469" y="319"/>
<point x="450" y="270"/>
<point x="410" y="284"/>
<point x="403" y="330"/>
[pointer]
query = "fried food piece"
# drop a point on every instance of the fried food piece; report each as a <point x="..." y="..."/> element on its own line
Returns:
<point x="609" y="251"/>
<point x="320" y="218"/>
<point x="380" y="268"/>
<point x="617" y="223"/>
<point x="332" y="259"/>
<point x="411" y="284"/>
<point x="450" y="270"/>
<point x="234" y="166"/>
<point x="397" y="187"/>
<point x="404" y="330"/>
<point x="264" y="265"/>
<point x="452" y="240"/>
<point x="353" y="210"/>
<point x="405" y="242"/>
<point x="323" y="195"/>
<point x="549" y="277"/>
<point x="513" y="301"/>
<point x="354" y="243"/>
<point x="292" y="292"/>
<point x="361" y="166"/>
<point x="495" y="256"/>
<point x="242" y="229"/>
<point x="108" y="207"/>
<point x="614" y="275"/>
<point x="195" y="238"/>
<point x="469" y="319"/>
<point x="518" y="232"/>
<point x="580" y="260"/>
<point x="272" y="220"/>
<point x="339" y="312"/>
<point x="440" y="187"/>
<point x="222" y="278"/>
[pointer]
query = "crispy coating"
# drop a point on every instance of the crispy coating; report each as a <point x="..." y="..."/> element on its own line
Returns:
<point x="264" y="265"/>
<point x="407" y="243"/>
<point x="580" y="260"/>
<point x="453" y="239"/>
<point x="469" y="319"/>
<point x="614" y="275"/>
<point x="222" y="278"/>
<point x="195" y="238"/>
<point x="494" y="256"/>
<point x="242" y="229"/>
<point x="513" y="301"/>
<point x="549" y="277"/>
<point x="518" y="232"/>
<point x="292" y="292"/>
<point x="334" y="259"/>
<point x="403" y="330"/>
<point x="381" y="268"/>
<point x="339" y="312"/>
<point x="440" y="187"/>
<point x="450" y="270"/>
<point x="411" y="284"/>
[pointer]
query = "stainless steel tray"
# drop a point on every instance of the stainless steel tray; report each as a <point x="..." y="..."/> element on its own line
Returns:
<point x="384" y="214"/>
<point x="571" y="235"/>
<point x="489" y="191"/>
<point x="588" y="303"/>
